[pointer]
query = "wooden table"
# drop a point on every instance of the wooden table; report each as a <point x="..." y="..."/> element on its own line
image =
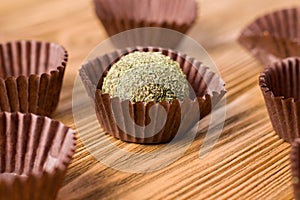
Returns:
<point x="248" y="162"/>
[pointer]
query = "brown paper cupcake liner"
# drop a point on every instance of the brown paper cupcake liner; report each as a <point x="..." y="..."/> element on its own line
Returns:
<point x="121" y="15"/>
<point x="280" y="86"/>
<point x="295" y="167"/>
<point x="34" y="154"/>
<point x="31" y="76"/>
<point x="273" y="36"/>
<point x="119" y="118"/>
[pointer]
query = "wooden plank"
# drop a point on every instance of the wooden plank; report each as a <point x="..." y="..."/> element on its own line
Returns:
<point x="249" y="160"/>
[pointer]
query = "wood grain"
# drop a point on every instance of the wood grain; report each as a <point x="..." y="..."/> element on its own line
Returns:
<point x="248" y="162"/>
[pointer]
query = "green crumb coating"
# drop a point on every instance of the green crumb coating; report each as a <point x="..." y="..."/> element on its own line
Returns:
<point x="146" y="76"/>
<point x="152" y="92"/>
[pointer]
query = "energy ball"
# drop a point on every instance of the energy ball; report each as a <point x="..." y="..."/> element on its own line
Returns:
<point x="146" y="77"/>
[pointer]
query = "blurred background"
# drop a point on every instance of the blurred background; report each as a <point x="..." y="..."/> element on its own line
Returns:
<point x="74" y="23"/>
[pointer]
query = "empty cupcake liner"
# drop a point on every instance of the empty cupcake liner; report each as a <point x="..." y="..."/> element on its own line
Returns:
<point x="131" y="121"/>
<point x="273" y="36"/>
<point x="34" y="154"/>
<point x="295" y="167"/>
<point x="31" y="76"/>
<point x="121" y="15"/>
<point x="280" y="86"/>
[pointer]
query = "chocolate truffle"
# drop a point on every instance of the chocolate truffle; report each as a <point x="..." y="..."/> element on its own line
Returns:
<point x="146" y="76"/>
<point x="145" y="123"/>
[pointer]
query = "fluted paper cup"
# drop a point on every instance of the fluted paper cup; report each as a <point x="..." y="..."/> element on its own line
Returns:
<point x="121" y="15"/>
<point x="31" y="76"/>
<point x="273" y="36"/>
<point x="130" y="121"/>
<point x="295" y="167"/>
<point x="280" y="87"/>
<point x="35" y="152"/>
